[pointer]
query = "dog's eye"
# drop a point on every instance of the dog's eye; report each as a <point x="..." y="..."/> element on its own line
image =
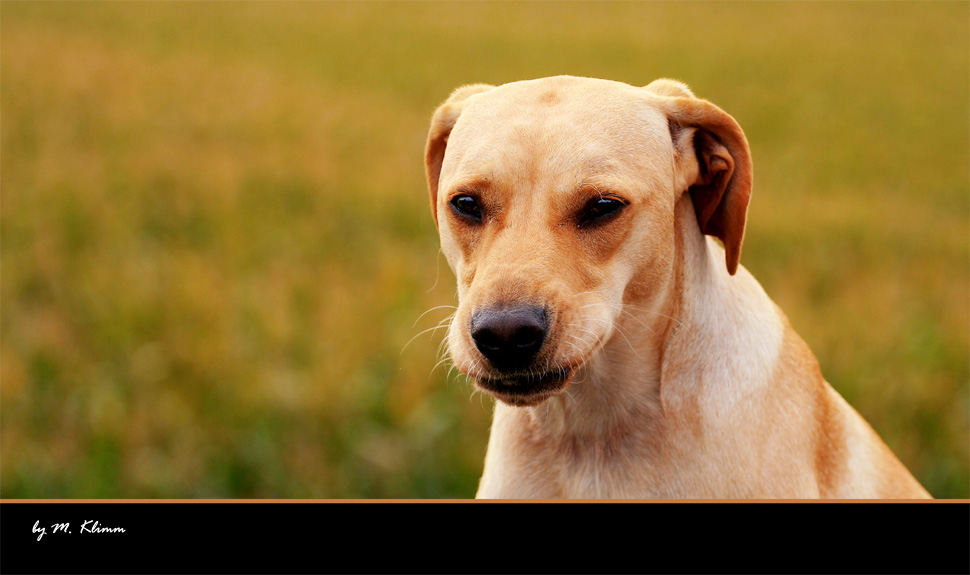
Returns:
<point x="600" y="209"/>
<point x="467" y="206"/>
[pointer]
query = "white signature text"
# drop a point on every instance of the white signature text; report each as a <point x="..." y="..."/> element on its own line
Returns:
<point x="89" y="526"/>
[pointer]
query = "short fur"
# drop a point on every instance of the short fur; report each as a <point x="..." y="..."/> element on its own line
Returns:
<point x="683" y="379"/>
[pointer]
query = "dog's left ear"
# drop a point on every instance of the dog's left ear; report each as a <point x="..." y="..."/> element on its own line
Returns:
<point x="713" y="163"/>
<point x="442" y="123"/>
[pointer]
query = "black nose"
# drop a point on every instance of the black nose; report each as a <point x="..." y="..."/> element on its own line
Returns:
<point x="509" y="338"/>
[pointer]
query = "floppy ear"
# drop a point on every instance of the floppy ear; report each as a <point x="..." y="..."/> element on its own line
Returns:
<point x="442" y="122"/>
<point x="713" y="162"/>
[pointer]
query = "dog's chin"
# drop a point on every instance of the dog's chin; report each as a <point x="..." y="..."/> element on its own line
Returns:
<point x="526" y="390"/>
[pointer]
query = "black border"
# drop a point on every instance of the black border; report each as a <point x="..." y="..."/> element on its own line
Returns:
<point x="450" y="537"/>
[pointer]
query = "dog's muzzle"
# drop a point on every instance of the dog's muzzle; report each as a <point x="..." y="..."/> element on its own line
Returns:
<point x="510" y="339"/>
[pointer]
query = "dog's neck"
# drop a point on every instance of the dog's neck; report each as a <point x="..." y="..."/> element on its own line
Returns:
<point x="634" y="387"/>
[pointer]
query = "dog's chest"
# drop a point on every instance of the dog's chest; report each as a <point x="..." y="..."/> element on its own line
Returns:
<point x="589" y="479"/>
<point x="658" y="458"/>
<point x="623" y="464"/>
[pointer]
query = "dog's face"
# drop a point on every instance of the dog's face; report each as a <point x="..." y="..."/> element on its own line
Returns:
<point x="555" y="203"/>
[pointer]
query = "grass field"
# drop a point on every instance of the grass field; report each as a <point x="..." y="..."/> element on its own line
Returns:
<point x="216" y="243"/>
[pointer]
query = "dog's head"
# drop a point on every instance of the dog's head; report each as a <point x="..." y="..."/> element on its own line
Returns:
<point x="555" y="202"/>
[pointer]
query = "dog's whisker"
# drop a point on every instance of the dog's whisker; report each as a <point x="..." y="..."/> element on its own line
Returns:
<point x="437" y="271"/>
<point x="441" y="362"/>
<point x="638" y="320"/>
<point x="433" y="309"/>
<point x="419" y="334"/>
<point x="673" y="319"/>
<point x="620" y="331"/>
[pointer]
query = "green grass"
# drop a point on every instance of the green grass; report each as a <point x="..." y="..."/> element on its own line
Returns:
<point x="216" y="242"/>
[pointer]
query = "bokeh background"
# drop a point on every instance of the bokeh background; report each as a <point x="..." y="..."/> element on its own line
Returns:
<point x="216" y="241"/>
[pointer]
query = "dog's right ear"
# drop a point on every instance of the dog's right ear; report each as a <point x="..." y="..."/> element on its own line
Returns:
<point x="442" y="122"/>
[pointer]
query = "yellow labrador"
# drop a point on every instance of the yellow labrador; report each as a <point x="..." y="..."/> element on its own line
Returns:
<point x="631" y="355"/>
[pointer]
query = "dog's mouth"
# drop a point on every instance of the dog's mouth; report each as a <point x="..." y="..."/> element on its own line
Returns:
<point x="526" y="389"/>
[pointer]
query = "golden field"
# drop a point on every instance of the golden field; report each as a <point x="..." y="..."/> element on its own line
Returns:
<point x="216" y="248"/>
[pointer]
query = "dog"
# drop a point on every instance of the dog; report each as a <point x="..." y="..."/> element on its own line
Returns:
<point x="595" y="232"/>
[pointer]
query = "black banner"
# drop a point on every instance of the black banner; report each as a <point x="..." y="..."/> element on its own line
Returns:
<point x="426" y="537"/>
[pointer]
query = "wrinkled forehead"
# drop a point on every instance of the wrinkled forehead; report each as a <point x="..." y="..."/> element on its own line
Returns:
<point x="559" y="129"/>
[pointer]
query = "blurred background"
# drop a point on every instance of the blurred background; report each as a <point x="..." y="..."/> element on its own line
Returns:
<point x="217" y="245"/>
